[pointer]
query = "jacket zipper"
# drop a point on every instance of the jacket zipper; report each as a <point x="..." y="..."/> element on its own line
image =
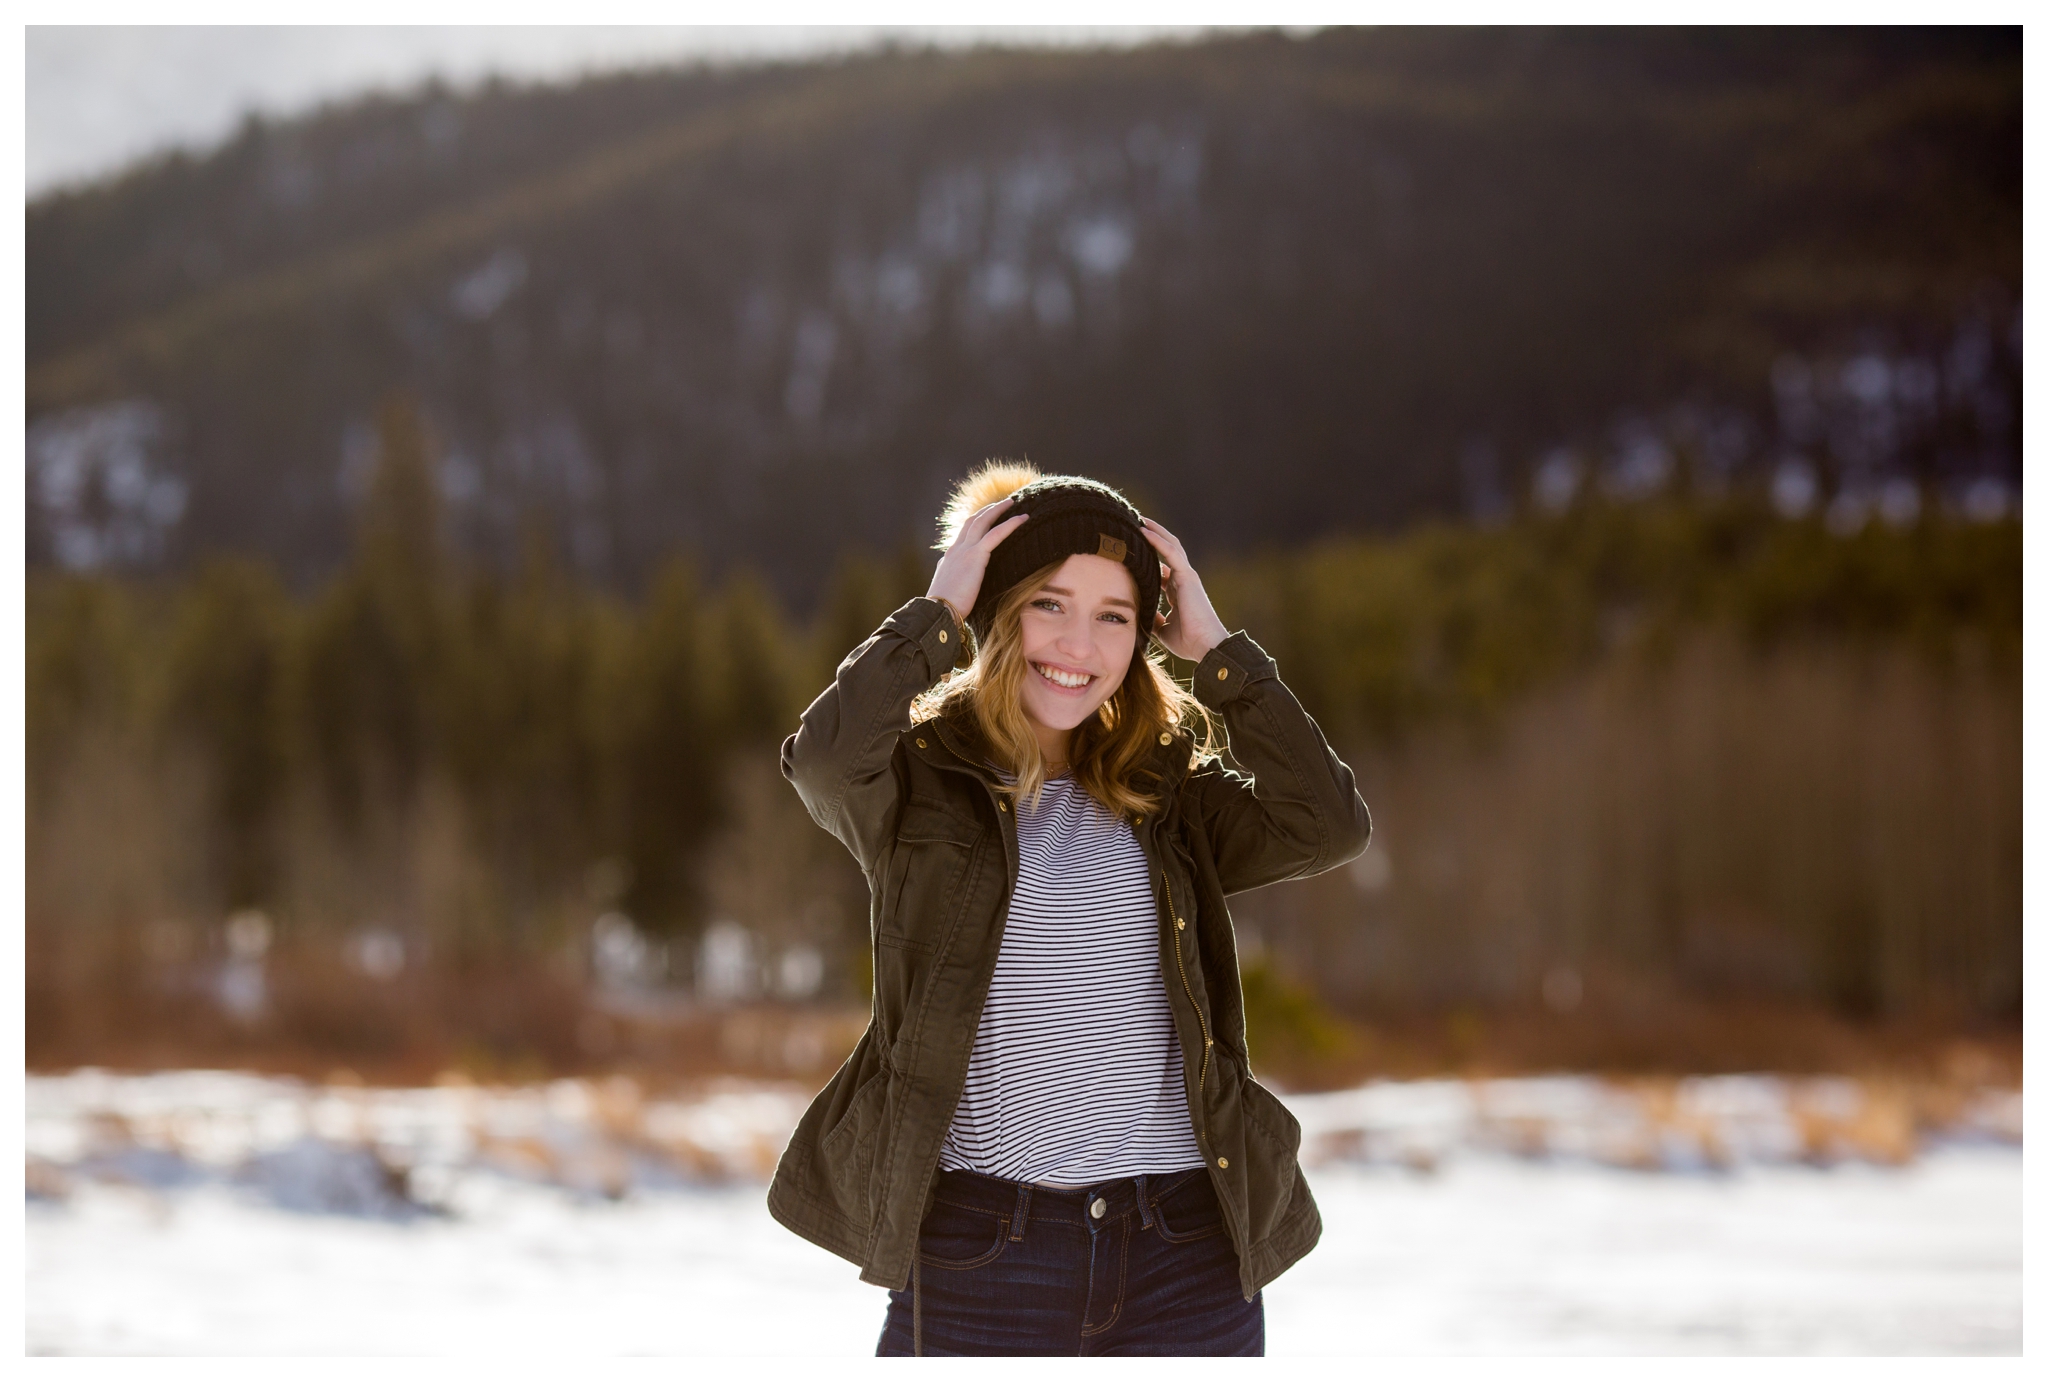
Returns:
<point x="1201" y="1081"/>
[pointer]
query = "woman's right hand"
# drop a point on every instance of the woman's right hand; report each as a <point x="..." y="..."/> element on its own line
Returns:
<point x="958" y="579"/>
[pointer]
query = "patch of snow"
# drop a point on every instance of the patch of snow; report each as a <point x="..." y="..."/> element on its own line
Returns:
<point x="206" y="1212"/>
<point x="482" y="291"/>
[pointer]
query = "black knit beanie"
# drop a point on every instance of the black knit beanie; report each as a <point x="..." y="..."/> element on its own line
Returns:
<point x="1069" y="514"/>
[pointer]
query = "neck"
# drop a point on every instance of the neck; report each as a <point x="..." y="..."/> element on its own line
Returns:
<point x="1052" y="744"/>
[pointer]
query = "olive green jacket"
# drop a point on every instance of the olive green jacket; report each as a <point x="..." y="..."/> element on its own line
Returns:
<point x="939" y="847"/>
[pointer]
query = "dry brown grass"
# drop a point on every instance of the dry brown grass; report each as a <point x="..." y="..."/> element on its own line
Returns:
<point x="1678" y="1037"/>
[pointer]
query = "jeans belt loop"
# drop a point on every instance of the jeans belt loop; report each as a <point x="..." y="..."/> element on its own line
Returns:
<point x="1022" y="1213"/>
<point x="1144" y="1204"/>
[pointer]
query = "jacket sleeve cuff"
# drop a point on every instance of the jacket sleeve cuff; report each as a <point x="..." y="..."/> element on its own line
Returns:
<point x="930" y="625"/>
<point x="1230" y="667"/>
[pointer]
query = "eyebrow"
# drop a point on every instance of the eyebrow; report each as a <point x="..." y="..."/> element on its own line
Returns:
<point x="1112" y="600"/>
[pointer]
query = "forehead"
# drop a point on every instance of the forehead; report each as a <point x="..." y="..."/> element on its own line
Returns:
<point x="1095" y="579"/>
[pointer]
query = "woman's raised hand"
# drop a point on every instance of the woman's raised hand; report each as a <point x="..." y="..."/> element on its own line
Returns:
<point x="1193" y="628"/>
<point x="958" y="579"/>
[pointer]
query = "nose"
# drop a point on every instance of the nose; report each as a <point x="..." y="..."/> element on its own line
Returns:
<point x="1077" y="641"/>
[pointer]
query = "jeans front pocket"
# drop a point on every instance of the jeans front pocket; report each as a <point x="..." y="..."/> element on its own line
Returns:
<point x="956" y="1238"/>
<point x="1189" y="1210"/>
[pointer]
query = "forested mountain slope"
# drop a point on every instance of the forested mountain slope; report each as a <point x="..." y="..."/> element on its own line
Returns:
<point x="1280" y="288"/>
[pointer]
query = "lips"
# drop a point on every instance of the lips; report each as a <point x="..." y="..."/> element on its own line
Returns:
<point x="1064" y="680"/>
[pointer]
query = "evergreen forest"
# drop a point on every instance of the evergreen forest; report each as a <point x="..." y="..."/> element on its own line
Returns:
<point x="1681" y="747"/>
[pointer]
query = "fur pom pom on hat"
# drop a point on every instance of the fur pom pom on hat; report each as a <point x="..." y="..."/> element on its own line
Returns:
<point x="1069" y="514"/>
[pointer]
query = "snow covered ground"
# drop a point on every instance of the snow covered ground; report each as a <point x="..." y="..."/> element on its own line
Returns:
<point x="199" y="1212"/>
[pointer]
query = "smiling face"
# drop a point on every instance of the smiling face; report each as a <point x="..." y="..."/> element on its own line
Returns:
<point x="1078" y="632"/>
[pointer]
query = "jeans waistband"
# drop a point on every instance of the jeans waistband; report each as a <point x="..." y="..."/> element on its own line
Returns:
<point x="1023" y="1200"/>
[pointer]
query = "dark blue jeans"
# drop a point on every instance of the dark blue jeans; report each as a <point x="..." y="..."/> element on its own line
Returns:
<point x="1008" y="1269"/>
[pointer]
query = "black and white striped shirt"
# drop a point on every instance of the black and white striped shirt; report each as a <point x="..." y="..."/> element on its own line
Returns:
<point x="1076" y="1071"/>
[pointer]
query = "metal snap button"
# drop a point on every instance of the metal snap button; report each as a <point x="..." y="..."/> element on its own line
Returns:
<point x="1166" y="738"/>
<point x="1098" y="1209"/>
<point x="1223" y="1162"/>
<point x="1222" y="673"/>
<point x="920" y="743"/>
<point x="1002" y="806"/>
<point x="942" y="635"/>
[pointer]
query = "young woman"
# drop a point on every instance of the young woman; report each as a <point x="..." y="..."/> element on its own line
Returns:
<point x="1049" y="1141"/>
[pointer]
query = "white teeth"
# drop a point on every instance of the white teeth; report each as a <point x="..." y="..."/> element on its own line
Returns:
<point x="1070" y="680"/>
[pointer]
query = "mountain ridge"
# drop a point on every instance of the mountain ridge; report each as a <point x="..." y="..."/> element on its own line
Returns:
<point x="766" y="315"/>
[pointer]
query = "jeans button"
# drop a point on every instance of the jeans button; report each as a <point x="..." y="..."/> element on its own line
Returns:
<point x="1099" y="1208"/>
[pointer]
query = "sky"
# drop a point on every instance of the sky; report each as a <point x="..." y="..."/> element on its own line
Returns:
<point x="102" y="97"/>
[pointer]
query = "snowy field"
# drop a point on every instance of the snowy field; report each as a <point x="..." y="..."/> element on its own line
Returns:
<point x="210" y="1213"/>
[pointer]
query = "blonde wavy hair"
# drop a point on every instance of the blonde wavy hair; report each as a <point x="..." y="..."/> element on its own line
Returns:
<point x="1108" y="750"/>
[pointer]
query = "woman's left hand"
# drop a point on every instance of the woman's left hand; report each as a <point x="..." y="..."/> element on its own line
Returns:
<point x="1193" y="628"/>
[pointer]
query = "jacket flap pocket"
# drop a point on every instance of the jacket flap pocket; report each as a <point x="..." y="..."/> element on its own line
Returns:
<point x="924" y="822"/>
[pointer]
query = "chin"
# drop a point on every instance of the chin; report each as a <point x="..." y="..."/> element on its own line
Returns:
<point x="1061" y="715"/>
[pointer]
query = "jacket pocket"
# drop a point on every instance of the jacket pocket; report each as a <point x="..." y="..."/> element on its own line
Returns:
<point x="847" y="1151"/>
<point x="926" y="865"/>
<point x="1272" y="1143"/>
